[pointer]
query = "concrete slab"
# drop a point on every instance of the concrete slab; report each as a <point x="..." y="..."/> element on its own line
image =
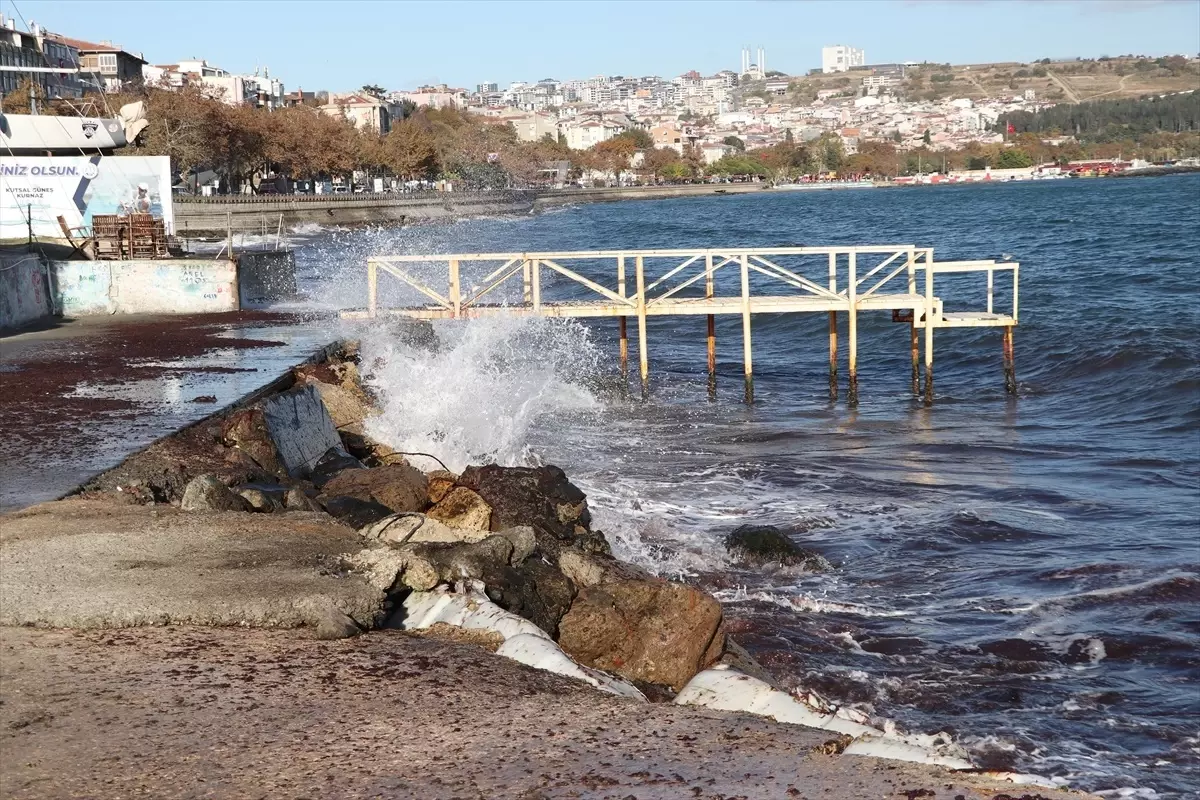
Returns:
<point x="301" y="428"/>
<point x="79" y="397"/>
<point x="203" y="713"/>
<point x="95" y="564"/>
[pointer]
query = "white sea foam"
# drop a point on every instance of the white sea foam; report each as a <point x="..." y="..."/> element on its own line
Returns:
<point x="476" y="398"/>
<point x="806" y="603"/>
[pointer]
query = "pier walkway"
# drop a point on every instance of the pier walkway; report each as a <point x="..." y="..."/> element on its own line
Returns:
<point x="899" y="279"/>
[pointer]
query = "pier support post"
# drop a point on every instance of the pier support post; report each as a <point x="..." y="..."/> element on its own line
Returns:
<point x="852" y="334"/>
<point x="372" y="288"/>
<point x="915" y="343"/>
<point x="526" y="282"/>
<point x="747" y="345"/>
<point x="643" y="351"/>
<point x="1010" y="371"/>
<point x="624" y="334"/>
<point x="833" y="343"/>
<point x="535" y="268"/>
<point x="712" y="328"/>
<point x="622" y="325"/>
<point x="455" y="289"/>
<point x="929" y="323"/>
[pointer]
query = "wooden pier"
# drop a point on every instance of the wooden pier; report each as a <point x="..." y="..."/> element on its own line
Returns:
<point x="898" y="279"/>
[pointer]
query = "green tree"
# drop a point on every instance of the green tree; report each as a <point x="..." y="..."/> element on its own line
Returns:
<point x="1013" y="158"/>
<point x="641" y="139"/>
<point x="676" y="170"/>
<point x="735" y="143"/>
<point x="926" y="138"/>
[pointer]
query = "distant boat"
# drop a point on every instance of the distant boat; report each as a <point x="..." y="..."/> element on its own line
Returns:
<point x="809" y="186"/>
<point x="42" y="135"/>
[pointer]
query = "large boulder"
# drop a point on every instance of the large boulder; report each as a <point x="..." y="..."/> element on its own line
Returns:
<point x="351" y="511"/>
<point x="362" y="446"/>
<point x="247" y="431"/>
<point x="300" y="428"/>
<point x="207" y="493"/>
<point x="540" y="497"/>
<point x="537" y="591"/>
<point x="397" y="529"/>
<point x="398" y="487"/>
<point x="758" y="545"/>
<point x="641" y="627"/>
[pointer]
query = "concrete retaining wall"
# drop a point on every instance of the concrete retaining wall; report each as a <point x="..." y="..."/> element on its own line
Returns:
<point x="175" y="286"/>
<point x="571" y="196"/>
<point x="24" y="294"/>
<point x="211" y="214"/>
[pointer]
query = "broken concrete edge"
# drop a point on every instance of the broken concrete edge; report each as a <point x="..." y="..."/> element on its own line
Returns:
<point x="724" y="688"/>
<point x="281" y="382"/>
<point x="524" y="642"/>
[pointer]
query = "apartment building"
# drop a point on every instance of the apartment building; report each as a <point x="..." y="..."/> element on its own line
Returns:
<point x="107" y="66"/>
<point x="261" y="91"/>
<point x="841" y="57"/>
<point x="35" y="49"/>
<point x="364" y="111"/>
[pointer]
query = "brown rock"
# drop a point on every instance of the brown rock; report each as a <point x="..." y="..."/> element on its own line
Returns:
<point x="440" y="483"/>
<point x="346" y="407"/>
<point x="207" y="493"/>
<point x="462" y="508"/>
<point x="247" y="431"/>
<point x="644" y="629"/>
<point x="366" y="449"/>
<point x="395" y="486"/>
<point x="540" y="497"/>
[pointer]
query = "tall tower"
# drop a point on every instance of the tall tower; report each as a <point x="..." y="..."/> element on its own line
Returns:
<point x="762" y="62"/>
<point x="745" y="61"/>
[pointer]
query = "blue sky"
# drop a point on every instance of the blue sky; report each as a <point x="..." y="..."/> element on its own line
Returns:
<point x="342" y="45"/>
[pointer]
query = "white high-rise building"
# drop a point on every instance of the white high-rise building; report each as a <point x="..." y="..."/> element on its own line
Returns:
<point x="840" y="57"/>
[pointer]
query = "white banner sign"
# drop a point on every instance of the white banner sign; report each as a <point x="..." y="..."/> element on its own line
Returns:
<point x="36" y="191"/>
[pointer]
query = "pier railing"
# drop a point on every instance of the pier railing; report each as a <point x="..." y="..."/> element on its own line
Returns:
<point x="703" y="281"/>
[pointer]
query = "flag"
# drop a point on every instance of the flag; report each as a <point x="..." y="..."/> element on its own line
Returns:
<point x="1011" y="129"/>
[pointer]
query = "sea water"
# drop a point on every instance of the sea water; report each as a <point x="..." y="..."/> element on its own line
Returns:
<point x="1023" y="572"/>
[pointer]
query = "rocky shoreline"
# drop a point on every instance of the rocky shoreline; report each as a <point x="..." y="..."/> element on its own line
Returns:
<point x="283" y="537"/>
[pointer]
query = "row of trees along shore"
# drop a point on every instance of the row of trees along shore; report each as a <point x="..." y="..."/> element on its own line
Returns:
<point x="200" y="133"/>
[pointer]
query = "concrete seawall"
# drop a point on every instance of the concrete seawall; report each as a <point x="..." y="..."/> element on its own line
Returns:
<point x="609" y="195"/>
<point x="211" y="215"/>
<point x="24" y="291"/>
<point x="207" y="215"/>
<point x="170" y="286"/>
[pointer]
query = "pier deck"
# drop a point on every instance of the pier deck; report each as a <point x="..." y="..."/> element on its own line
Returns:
<point x="649" y="283"/>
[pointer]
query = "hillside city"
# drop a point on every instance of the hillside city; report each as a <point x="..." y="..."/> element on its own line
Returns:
<point x="846" y="102"/>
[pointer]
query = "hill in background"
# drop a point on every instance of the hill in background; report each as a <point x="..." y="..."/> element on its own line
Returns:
<point x="1074" y="81"/>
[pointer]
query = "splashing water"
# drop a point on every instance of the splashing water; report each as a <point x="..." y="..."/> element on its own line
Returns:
<point x="474" y="398"/>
